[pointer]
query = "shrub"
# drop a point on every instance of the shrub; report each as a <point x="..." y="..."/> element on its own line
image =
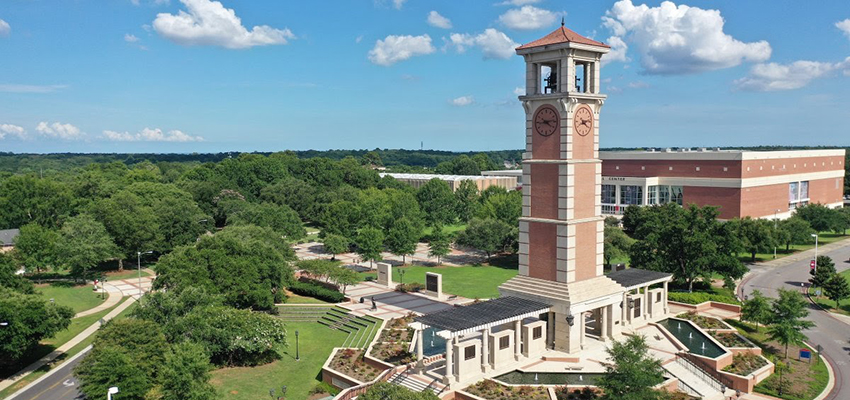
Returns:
<point x="699" y="297"/>
<point x="316" y="291"/>
<point x="410" y="287"/>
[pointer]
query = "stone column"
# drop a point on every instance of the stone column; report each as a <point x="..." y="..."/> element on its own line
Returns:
<point x="517" y="339"/>
<point x="419" y="340"/>
<point x="581" y="328"/>
<point x="604" y="334"/>
<point x="647" y="297"/>
<point x="666" y="310"/>
<point x="550" y="330"/>
<point x="625" y="310"/>
<point x="485" y="350"/>
<point x="449" y="361"/>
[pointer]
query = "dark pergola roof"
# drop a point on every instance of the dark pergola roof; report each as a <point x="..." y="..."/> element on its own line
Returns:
<point x="632" y="277"/>
<point x="482" y="314"/>
<point x="7" y="236"/>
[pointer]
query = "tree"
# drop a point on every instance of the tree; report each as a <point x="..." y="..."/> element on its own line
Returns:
<point x="372" y="159"/>
<point x="133" y="225"/>
<point x="837" y="289"/>
<point x="437" y="201"/>
<point x="505" y="206"/>
<point x="787" y="323"/>
<point x="336" y="244"/>
<point x="26" y="198"/>
<point x="279" y="218"/>
<point x="756" y="309"/>
<point x="402" y="239"/>
<point x="466" y="200"/>
<point x="631" y="372"/>
<point x="439" y="245"/>
<point x="83" y="243"/>
<point x="185" y="374"/>
<point x="389" y="391"/>
<point x="824" y="271"/>
<point x="30" y="319"/>
<point x="488" y="235"/>
<point x="178" y="217"/>
<point x="35" y="247"/>
<point x="295" y="193"/>
<point x="795" y="230"/>
<point x="842" y="220"/>
<point x="688" y="242"/>
<point x="247" y="265"/>
<point x="370" y="244"/>
<point x="756" y="235"/>
<point x="9" y="278"/>
<point x="820" y="217"/>
<point x="617" y="244"/>
<point x="344" y="277"/>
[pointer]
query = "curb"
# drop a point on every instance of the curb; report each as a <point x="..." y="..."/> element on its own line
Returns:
<point x="49" y="373"/>
<point x="830" y="384"/>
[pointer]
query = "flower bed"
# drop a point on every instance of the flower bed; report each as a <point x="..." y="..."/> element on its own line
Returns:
<point x="350" y="362"/>
<point x="492" y="390"/>
<point x="745" y="363"/>
<point x="400" y="323"/>
<point x="703" y="321"/>
<point x="393" y="352"/>
<point x="586" y="393"/>
<point x="396" y="335"/>
<point x="730" y="339"/>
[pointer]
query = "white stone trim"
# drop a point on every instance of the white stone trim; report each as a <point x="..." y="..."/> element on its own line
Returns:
<point x="718" y="155"/>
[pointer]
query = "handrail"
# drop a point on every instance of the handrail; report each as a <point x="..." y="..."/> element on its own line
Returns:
<point x="682" y="386"/>
<point x="354" y="391"/>
<point x="699" y="373"/>
<point x="723" y="380"/>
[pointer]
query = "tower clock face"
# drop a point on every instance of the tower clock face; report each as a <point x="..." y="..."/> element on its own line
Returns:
<point x="583" y="120"/>
<point x="546" y="120"/>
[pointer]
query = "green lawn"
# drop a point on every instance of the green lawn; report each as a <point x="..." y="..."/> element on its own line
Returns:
<point x="447" y="229"/>
<point x="471" y="281"/>
<point x="79" y="298"/>
<point x="316" y="343"/>
<point x="125" y="274"/>
<point x="824" y="238"/>
<point x="296" y="299"/>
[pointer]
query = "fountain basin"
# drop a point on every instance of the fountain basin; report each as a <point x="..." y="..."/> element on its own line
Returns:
<point x="549" y="378"/>
<point x="695" y="340"/>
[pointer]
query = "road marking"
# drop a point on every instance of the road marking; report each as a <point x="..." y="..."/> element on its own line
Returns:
<point x="68" y="383"/>
<point x="51" y="387"/>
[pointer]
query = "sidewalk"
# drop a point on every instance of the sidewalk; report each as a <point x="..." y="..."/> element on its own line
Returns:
<point x="804" y="255"/>
<point x="71" y="343"/>
<point x="115" y="296"/>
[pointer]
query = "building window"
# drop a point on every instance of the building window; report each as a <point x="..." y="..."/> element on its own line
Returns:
<point x="658" y="297"/>
<point x="609" y="194"/>
<point x="469" y="353"/>
<point x="652" y="195"/>
<point x="804" y="190"/>
<point x="798" y="194"/>
<point x="504" y="342"/>
<point x="537" y="332"/>
<point x="697" y="169"/>
<point x="663" y="194"/>
<point x="676" y="195"/>
<point x="631" y="195"/>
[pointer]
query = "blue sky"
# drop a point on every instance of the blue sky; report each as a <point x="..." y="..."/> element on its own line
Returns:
<point x="203" y="76"/>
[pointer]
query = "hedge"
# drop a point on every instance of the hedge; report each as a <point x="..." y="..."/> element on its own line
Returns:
<point x="700" y="297"/>
<point x="316" y="291"/>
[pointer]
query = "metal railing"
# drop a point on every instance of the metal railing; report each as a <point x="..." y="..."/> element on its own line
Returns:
<point x="725" y="380"/>
<point x="612" y="209"/>
<point x="700" y="373"/>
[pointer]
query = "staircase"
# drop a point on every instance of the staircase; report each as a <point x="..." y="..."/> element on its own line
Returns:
<point x="360" y="330"/>
<point x="694" y="381"/>
<point x="416" y="383"/>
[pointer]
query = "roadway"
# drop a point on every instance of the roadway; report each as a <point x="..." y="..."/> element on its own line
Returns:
<point x="831" y="333"/>
<point x="61" y="385"/>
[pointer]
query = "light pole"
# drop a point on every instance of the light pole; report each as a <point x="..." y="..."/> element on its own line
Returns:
<point x="815" y="235"/>
<point x="297" y="356"/>
<point x="139" y="264"/>
<point x="111" y="391"/>
<point x="775" y="228"/>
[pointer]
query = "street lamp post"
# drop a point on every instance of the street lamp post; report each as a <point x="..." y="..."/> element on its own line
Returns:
<point x="111" y="391"/>
<point x="139" y="264"/>
<point x="297" y="356"/>
<point x="815" y="235"/>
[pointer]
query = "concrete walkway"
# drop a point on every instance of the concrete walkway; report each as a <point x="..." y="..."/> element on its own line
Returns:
<point x="115" y="296"/>
<point x="71" y="343"/>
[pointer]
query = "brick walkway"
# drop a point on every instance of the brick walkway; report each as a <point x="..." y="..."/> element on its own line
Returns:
<point x="457" y="257"/>
<point x="392" y="304"/>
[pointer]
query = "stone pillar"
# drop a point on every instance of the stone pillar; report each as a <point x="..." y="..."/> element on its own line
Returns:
<point x="550" y="330"/>
<point x="646" y="299"/>
<point x="625" y="311"/>
<point x="419" y="340"/>
<point x="567" y="337"/>
<point x="664" y="306"/>
<point x="604" y="332"/>
<point x="517" y="339"/>
<point x="449" y="361"/>
<point x="485" y="350"/>
<point x="581" y="328"/>
<point x="385" y="274"/>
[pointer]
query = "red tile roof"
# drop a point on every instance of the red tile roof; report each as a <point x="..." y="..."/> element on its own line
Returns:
<point x="562" y="35"/>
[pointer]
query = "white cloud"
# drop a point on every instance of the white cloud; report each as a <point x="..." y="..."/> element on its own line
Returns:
<point x="393" y="49"/>
<point x="398" y="3"/>
<point x="155" y="2"/>
<point x="129" y="38"/>
<point x="462" y="101"/>
<point x="680" y="39"/>
<point x="209" y="23"/>
<point x="618" y="51"/>
<point x="844" y="26"/>
<point x="15" y="88"/>
<point x="151" y="135"/>
<point x="358" y="39"/>
<point x="517" y="2"/>
<point x="494" y="44"/>
<point x="14" y="130"/>
<point x="519" y="91"/>
<point x="527" y="18"/>
<point x="439" y="21"/>
<point x="59" y="131"/>
<point x="774" y="76"/>
<point x="638" y="85"/>
<point x="5" y="29"/>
